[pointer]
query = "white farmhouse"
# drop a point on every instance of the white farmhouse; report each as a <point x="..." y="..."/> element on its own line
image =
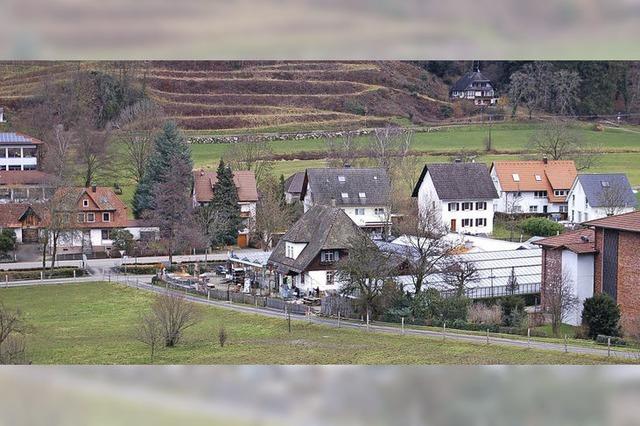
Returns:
<point x="594" y="196"/>
<point x="462" y="194"/>
<point x="363" y="194"/>
<point x="533" y="186"/>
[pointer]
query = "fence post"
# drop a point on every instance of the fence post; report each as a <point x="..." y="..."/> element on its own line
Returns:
<point x="444" y="330"/>
<point x="41" y="276"/>
<point x="487" y="336"/>
<point x="74" y="273"/>
<point x="367" y="319"/>
<point x="338" y="319"/>
<point x="608" y="346"/>
<point x="529" y="338"/>
<point x="289" y="319"/>
<point x="566" y="349"/>
<point x="402" y="325"/>
<point x="6" y="280"/>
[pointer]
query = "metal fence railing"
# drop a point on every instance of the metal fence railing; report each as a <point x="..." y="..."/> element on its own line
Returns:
<point x="496" y="291"/>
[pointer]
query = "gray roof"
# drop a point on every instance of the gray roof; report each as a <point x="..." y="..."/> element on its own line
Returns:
<point x="293" y="184"/>
<point x="321" y="228"/>
<point x="465" y="81"/>
<point x="592" y="184"/>
<point x="459" y="181"/>
<point x="330" y="184"/>
<point x="10" y="137"/>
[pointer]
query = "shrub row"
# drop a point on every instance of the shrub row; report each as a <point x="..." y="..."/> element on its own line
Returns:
<point x="34" y="274"/>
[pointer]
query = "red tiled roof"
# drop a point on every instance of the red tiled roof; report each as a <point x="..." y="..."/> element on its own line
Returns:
<point x="12" y="213"/>
<point x="102" y="200"/>
<point x="24" y="177"/>
<point x="624" y="222"/>
<point x="554" y="174"/>
<point x="203" y="182"/>
<point x="579" y="241"/>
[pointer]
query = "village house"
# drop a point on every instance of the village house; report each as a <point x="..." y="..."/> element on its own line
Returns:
<point x="533" y="186"/>
<point x="293" y="187"/>
<point x="19" y="151"/>
<point x="245" y="181"/>
<point x="25" y="220"/>
<point x="96" y="213"/>
<point x="594" y="196"/>
<point x="603" y="258"/>
<point x="571" y="256"/>
<point x="18" y="186"/>
<point x="305" y="258"/>
<point x="363" y="194"/>
<point x="476" y="87"/>
<point x="461" y="194"/>
<point x="617" y="264"/>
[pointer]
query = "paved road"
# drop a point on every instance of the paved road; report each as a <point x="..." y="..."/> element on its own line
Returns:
<point x="111" y="262"/>
<point x="143" y="282"/>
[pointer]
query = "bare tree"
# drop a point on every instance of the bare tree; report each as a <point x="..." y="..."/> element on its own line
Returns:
<point x="363" y="272"/>
<point x="342" y="151"/>
<point x="210" y="223"/>
<point x="425" y="246"/>
<point x="175" y="314"/>
<point x="58" y="151"/>
<point x="558" y="298"/>
<point x="61" y="220"/>
<point x="613" y="198"/>
<point x="459" y="274"/>
<point x="136" y="127"/>
<point x="251" y="154"/>
<point x="12" y="329"/>
<point x="222" y="336"/>
<point x="565" y="85"/>
<point x="150" y="332"/>
<point x="272" y="213"/>
<point x="389" y="146"/>
<point x="93" y="155"/>
<point x="556" y="140"/>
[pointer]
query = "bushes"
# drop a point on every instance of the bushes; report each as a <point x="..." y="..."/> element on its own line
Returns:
<point x="479" y="313"/>
<point x="601" y="339"/>
<point x="601" y="315"/>
<point x="430" y="304"/>
<point x="541" y="227"/>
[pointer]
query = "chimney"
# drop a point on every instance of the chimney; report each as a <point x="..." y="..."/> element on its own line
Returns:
<point x="545" y="160"/>
<point x="94" y="188"/>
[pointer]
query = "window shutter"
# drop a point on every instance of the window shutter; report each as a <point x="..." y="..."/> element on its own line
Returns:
<point x="337" y="255"/>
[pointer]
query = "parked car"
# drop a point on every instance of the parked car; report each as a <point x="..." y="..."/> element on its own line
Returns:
<point x="221" y="270"/>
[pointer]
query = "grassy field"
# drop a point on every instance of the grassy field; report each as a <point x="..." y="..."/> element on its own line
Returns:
<point x="94" y="324"/>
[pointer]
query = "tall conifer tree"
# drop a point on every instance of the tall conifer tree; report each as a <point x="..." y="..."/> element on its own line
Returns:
<point x="225" y="201"/>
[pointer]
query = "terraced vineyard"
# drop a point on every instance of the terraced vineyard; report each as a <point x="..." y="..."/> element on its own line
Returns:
<point x="258" y="96"/>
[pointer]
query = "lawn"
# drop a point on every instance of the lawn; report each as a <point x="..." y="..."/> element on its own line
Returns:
<point x="94" y="324"/>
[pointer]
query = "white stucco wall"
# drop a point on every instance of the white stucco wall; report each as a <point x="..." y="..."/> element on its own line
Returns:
<point x="428" y="199"/>
<point x="579" y="270"/>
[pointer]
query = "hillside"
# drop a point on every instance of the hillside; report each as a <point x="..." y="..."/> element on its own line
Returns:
<point x="254" y="96"/>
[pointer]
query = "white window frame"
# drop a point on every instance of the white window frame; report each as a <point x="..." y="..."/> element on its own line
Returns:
<point x="108" y="216"/>
<point x="480" y="204"/>
<point x="93" y="215"/>
<point x="379" y="211"/>
<point x="454" y="207"/>
<point x="359" y="211"/>
<point x="85" y="203"/>
<point x="469" y="204"/>
<point x="533" y="209"/>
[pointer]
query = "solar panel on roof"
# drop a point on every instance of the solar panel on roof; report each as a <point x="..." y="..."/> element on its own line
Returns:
<point x="9" y="137"/>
